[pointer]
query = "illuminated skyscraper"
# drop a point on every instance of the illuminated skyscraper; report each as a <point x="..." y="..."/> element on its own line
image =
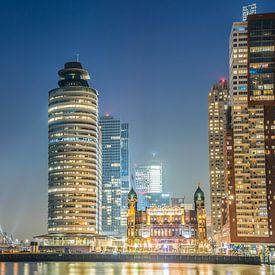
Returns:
<point x="250" y="189"/>
<point x="239" y="168"/>
<point x="218" y="101"/>
<point x="148" y="179"/>
<point x="74" y="170"/>
<point x="115" y="175"/>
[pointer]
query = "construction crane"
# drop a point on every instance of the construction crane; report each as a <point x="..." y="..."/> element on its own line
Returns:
<point x="5" y="239"/>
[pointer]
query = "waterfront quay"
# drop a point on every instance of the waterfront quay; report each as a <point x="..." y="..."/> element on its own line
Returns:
<point x="128" y="257"/>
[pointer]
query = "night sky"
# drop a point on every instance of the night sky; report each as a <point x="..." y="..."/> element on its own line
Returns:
<point x="153" y="63"/>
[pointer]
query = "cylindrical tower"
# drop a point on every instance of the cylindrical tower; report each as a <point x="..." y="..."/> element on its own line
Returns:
<point x="74" y="154"/>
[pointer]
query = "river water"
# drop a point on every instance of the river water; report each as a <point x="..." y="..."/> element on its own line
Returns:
<point x="72" y="268"/>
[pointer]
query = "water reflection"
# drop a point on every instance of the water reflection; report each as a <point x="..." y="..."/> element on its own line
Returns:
<point x="59" y="268"/>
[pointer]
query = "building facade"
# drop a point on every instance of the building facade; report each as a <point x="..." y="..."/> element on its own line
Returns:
<point x="148" y="179"/>
<point x="189" y="214"/>
<point x="250" y="190"/>
<point x="166" y="228"/>
<point x="156" y="229"/>
<point x="218" y="102"/>
<point x="115" y="175"/>
<point x="74" y="169"/>
<point x="240" y="124"/>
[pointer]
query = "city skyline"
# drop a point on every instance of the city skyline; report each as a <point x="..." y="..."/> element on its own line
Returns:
<point x="142" y="93"/>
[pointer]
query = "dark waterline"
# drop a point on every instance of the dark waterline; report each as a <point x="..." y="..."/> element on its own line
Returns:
<point x="73" y="268"/>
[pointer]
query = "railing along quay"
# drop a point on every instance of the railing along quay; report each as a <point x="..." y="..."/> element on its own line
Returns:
<point x="128" y="257"/>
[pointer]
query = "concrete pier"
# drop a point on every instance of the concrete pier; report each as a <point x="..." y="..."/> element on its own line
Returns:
<point x="128" y="257"/>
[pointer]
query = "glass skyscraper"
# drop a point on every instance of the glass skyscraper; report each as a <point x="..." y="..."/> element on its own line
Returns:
<point x="115" y="175"/>
<point x="74" y="165"/>
<point x="148" y="179"/>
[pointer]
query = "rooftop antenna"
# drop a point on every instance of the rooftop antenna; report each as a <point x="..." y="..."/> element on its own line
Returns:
<point x="77" y="57"/>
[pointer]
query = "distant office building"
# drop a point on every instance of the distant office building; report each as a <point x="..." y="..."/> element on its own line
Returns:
<point x="218" y="101"/>
<point x="74" y="167"/>
<point x="251" y="213"/>
<point x="157" y="199"/>
<point x="115" y="175"/>
<point x="177" y="202"/>
<point x="148" y="179"/>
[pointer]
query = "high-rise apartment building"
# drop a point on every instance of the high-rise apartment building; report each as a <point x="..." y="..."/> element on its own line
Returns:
<point x="74" y="167"/>
<point x="218" y="101"/>
<point x="115" y="175"/>
<point x="148" y="179"/>
<point x="252" y="160"/>
<point x="240" y="127"/>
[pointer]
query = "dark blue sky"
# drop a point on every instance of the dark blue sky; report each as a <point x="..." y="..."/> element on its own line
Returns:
<point x="152" y="62"/>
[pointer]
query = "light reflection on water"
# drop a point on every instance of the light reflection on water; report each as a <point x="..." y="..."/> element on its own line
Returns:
<point x="78" y="268"/>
